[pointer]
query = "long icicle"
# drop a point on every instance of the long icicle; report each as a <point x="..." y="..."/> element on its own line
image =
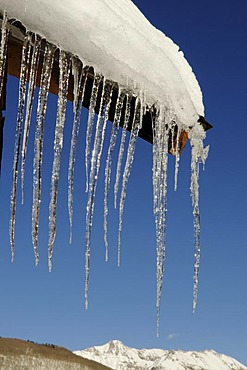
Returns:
<point x="64" y="66"/>
<point x="160" y="162"/>
<point x="95" y="166"/>
<point x="156" y="196"/>
<point x="137" y="122"/>
<point x="197" y="228"/>
<point x="80" y="77"/>
<point x="3" y="49"/>
<point x="198" y="155"/>
<point x="161" y="250"/>
<point x="38" y="142"/>
<point x="30" y="96"/>
<point x="18" y="133"/>
<point x="108" y="168"/>
<point x="121" y="148"/>
<point x="91" y="113"/>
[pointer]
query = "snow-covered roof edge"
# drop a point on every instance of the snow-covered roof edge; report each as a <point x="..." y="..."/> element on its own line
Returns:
<point x="118" y="41"/>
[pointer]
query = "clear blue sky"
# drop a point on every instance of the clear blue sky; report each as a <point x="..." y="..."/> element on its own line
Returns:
<point x="49" y="307"/>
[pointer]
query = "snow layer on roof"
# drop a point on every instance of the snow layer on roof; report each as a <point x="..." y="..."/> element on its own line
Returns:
<point x="116" y="39"/>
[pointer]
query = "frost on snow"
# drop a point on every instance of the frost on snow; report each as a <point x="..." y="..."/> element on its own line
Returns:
<point x="164" y="86"/>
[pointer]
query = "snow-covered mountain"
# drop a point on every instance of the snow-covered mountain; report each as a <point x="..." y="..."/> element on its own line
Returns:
<point x="120" y="357"/>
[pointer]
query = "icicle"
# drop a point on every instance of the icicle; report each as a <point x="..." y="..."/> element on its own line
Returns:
<point x="30" y="96"/>
<point x="177" y="159"/>
<point x="196" y="218"/>
<point x="3" y="49"/>
<point x="38" y="142"/>
<point x="121" y="149"/>
<point x="64" y="66"/>
<point x="144" y="101"/>
<point x="21" y="104"/>
<point x="80" y="77"/>
<point x="155" y="162"/>
<point x="95" y="165"/>
<point x="113" y="139"/>
<point x="91" y="114"/>
<point x="160" y="163"/>
<point x="173" y="136"/>
<point x="198" y="155"/>
<point x="137" y="122"/>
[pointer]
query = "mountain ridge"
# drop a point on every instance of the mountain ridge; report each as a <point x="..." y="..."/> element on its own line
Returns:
<point x="121" y="357"/>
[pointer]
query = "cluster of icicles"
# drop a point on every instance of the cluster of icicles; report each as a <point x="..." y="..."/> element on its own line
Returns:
<point x="163" y="126"/>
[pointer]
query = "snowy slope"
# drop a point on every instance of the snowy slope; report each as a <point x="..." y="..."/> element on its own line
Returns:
<point x="120" y="357"/>
<point x="117" y="40"/>
<point x="206" y="360"/>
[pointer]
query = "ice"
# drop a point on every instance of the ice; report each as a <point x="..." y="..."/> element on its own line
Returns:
<point x="18" y="133"/>
<point x="91" y="113"/>
<point x="177" y="159"/>
<point x="95" y="166"/>
<point x="172" y="133"/>
<point x="3" y="49"/>
<point x="137" y="122"/>
<point x="108" y="168"/>
<point x="121" y="149"/>
<point x="161" y="127"/>
<point x="80" y="77"/>
<point x="64" y="66"/>
<point x="198" y="155"/>
<point x="30" y="96"/>
<point x="38" y="142"/>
